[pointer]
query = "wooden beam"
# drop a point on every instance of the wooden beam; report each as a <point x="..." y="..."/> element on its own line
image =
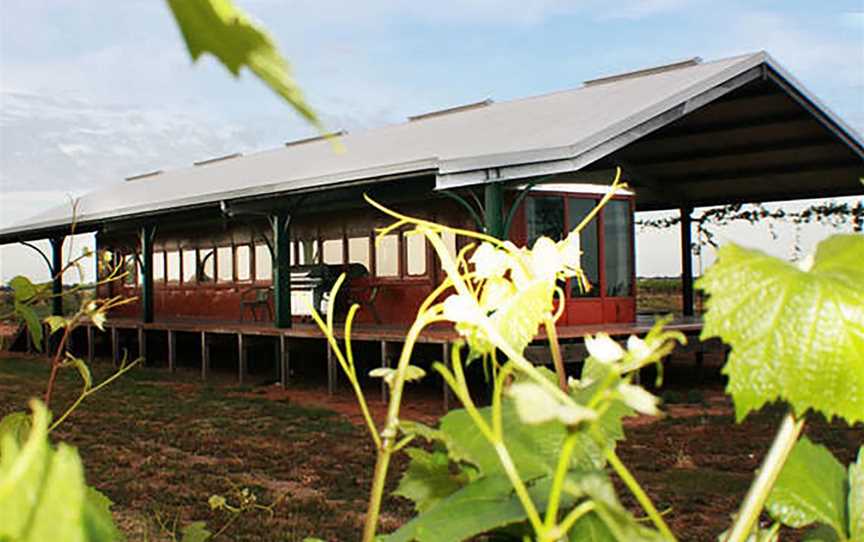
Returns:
<point x="115" y="346"/>
<point x="172" y="350"/>
<point x="142" y="345"/>
<point x="331" y="370"/>
<point x="686" y="261"/>
<point x="284" y="360"/>
<point x="748" y="149"/>
<point x="241" y="359"/>
<point x="385" y="362"/>
<point x="738" y="173"/>
<point x="205" y="356"/>
<point x="703" y="128"/>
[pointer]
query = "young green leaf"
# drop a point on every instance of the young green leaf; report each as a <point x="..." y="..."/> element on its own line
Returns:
<point x="221" y="29"/>
<point x="796" y="334"/>
<point x="34" y="326"/>
<point x="55" y="323"/>
<point x="811" y="489"/>
<point x="388" y="374"/>
<point x="22" y="288"/>
<point x="536" y="405"/>
<point x="195" y="532"/>
<point x="83" y="370"/>
<point x="428" y="479"/>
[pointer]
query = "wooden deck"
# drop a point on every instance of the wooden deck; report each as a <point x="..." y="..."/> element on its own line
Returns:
<point x="388" y="336"/>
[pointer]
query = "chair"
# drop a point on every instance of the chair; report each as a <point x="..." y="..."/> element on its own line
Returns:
<point x="254" y="298"/>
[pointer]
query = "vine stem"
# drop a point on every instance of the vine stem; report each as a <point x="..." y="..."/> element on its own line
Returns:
<point x="558" y="480"/>
<point x="555" y="347"/>
<point x="389" y="434"/>
<point x="784" y="441"/>
<point x="639" y="493"/>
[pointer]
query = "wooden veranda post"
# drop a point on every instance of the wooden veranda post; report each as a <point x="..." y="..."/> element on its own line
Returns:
<point x="56" y="271"/>
<point x="686" y="261"/>
<point x="147" y="233"/>
<point x="493" y="204"/>
<point x="281" y="269"/>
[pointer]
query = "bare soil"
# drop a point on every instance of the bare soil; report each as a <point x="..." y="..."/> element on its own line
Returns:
<point x="159" y="444"/>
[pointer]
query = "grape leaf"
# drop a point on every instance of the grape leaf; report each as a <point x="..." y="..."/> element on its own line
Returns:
<point x="611" y="523"/>
<point x="427" y="479"/>
<point x="221" y="29"/>
<point x="22" y="288"/>
<point x="195" y="532"/>
<point x="17" y="425"/>
<point x="534" y="448"/>
<point x="811" y="489"/>
<point x="796" y="334"/>
<point x="34" y="326"/>
<point x="42" y="491"/>
<point x="856" y="497"/>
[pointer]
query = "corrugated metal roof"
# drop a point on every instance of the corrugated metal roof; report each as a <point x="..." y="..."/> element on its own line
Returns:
<point x="560" y="125"/>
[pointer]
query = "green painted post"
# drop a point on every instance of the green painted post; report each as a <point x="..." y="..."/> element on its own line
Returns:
<point x="493" y="203"/>
<point x="281" y="269"/>
<point x="57" y="279"/>
<point x="147" y="273"/>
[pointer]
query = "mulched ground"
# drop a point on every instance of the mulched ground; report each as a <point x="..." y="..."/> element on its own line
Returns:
<point x="160" y="444"/>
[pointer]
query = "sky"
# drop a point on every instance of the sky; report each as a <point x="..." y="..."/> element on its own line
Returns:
<point x="92" y="92"/>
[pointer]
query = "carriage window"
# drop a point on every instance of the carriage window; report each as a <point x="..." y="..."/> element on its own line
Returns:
<point x="158" y="267"/>
<point x="207" y="265"/>
<point x="244" y="262"/>
<point x="415" y="253"/>
<point x="358" y="251"/>
<point x="172" y="265"/>
<point x="577" y="210"/>
<point x="224" y="264"/>
<point x="545" y="218"/>
<point x="618" y="250"/>
<point x="308" y="251"/>
<point x="332" y="251"/>
<point x="190" y="270"/>
<point x="263" y="263"/>
<point x="387" y="256"/>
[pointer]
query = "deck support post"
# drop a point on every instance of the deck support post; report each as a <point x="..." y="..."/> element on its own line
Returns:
<point x="57" y="275"/>
<point x="281" y="268"/>
<point x="284" y="361"/>
<point x="147" y="234"/>
<point x="493" y="205"/>
<point x="115" y="346"/>
<point x="205" y="356"/>
<point x="331" y="370"/>
<point x="241" y="359"/>
<point x="445" y="359"/>
<point x="172" y="350"/>
<point x="91" y="346"/>
<point x="142" y="345"/>
<point x="686" y="261"/>
<point x="385" y="362"/>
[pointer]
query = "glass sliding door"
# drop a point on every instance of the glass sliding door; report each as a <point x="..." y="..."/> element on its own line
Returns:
<point x="577" y="210"/>
<point x="618" y="229"/>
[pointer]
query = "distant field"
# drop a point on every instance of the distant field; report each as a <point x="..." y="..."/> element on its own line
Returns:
<point x="661" y="294"/>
